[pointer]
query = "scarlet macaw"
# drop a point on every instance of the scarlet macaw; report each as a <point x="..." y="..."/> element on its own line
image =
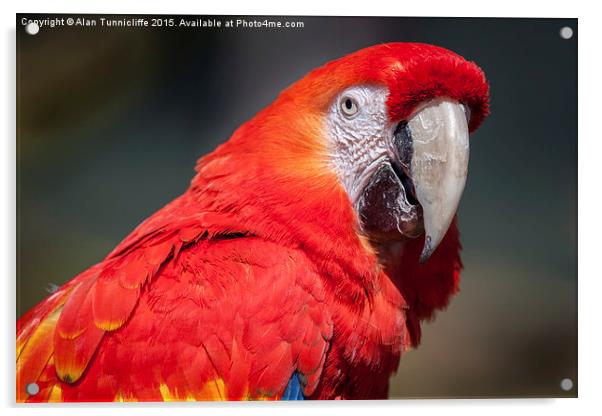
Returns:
<point x="300" y="261"/>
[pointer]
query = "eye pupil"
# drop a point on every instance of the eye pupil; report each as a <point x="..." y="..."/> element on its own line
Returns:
<point x="349" y="106"/>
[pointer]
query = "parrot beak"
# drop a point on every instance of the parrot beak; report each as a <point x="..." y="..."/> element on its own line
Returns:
<point x="417" y="188"/>
<point x="437" y="164"/>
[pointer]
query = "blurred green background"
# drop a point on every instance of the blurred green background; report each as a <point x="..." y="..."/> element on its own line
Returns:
<point x="111" y="121"/>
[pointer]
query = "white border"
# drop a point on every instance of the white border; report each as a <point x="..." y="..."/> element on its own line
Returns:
<point x="590" y="149"/>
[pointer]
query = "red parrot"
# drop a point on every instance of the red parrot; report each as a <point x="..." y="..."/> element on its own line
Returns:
<point x="299" y="263"/>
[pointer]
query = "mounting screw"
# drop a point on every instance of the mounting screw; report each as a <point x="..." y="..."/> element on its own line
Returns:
<point x="32" y="389"/>
<point x="566" y="384"/>
<point x="566" y="32"/>
<point x="32" y="28"/>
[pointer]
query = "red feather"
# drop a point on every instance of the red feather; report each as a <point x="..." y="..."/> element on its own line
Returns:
<point x="112" y="303"/>
<point x="257" y="272"/>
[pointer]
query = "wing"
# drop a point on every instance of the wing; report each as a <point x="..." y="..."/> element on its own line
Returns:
<point x="189" y="310"/>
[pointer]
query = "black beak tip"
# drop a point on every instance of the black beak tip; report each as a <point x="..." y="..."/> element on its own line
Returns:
<point x="426" y="251"/>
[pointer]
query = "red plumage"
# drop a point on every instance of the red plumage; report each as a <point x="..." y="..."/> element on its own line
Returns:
<point x="258" y="270"/>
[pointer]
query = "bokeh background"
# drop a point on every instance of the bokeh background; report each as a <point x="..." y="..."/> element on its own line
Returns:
<point x="111" y="121"/>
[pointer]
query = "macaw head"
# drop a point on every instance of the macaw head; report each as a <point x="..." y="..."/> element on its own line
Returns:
<point x="388" y="125"/>
<point x="397" y="129"/>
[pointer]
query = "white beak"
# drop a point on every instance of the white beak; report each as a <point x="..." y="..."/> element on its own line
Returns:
<point x="439" y="165"/>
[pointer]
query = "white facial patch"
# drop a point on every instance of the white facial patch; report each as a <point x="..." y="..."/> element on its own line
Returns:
<point x="360" y="134"/>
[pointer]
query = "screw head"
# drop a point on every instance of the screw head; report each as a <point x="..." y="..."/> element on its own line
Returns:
<point x="32" y="389"/>
<point x="32" y="28"/>
<point x="566" y="384"/>
<point x="566" y="32"/>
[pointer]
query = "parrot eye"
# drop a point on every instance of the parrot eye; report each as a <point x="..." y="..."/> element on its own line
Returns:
<point x="349" y="106"/>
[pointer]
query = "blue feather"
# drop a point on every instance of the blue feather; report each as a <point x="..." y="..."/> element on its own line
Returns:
<point x="293" y="389"/>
